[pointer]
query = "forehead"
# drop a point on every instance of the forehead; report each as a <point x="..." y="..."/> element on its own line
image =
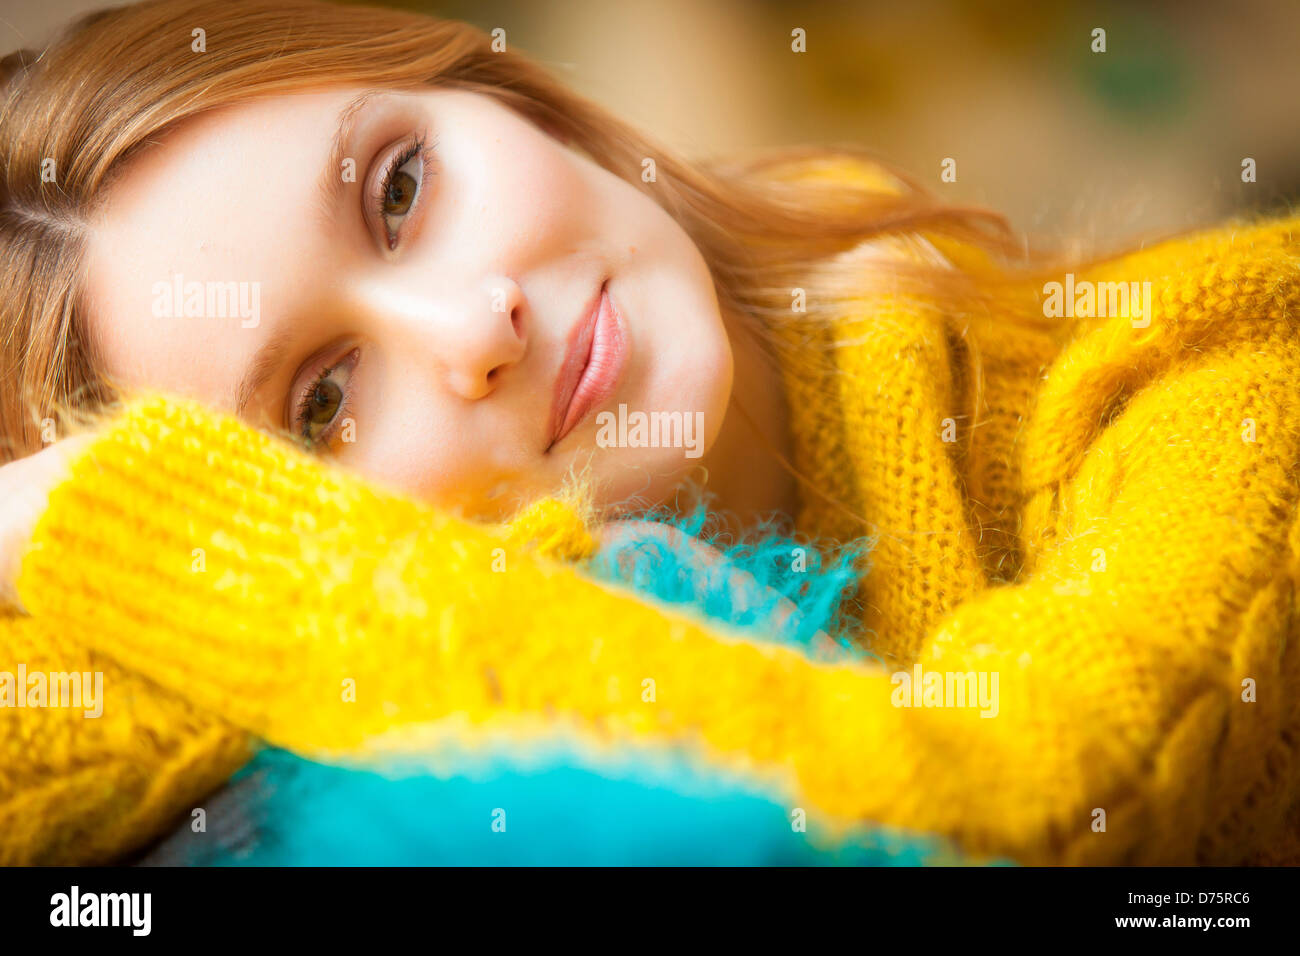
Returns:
<point x="225" y="197"/>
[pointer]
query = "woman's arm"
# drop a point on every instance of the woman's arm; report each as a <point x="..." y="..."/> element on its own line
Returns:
<point x="316" y="611"/>
<point x="24" y="493"/>
<point x="94" y="759"/>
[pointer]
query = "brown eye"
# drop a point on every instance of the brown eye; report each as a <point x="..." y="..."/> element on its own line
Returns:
<point x="399" y="191"/>
<point x="324" y="402"/>
<point x="400" y="194"/>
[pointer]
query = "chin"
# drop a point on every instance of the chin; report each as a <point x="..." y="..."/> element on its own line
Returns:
<point x="635" y="490"/>
<point x="648" y="440"/>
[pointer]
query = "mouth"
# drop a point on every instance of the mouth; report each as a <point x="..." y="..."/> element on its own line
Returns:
<point x="594" y="359"/>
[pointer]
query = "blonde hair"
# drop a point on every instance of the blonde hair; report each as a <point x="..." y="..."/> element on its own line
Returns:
<point x="117" y="78"/>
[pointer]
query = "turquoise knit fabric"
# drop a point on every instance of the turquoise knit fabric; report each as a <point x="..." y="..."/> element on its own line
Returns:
<point x="559" y="805"/>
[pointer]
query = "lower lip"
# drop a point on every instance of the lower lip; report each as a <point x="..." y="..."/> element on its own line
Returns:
<point x="605" y="364"/>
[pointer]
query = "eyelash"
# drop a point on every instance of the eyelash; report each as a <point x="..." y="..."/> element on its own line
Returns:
<point x="413" y="149"/>
<point x="302" y="421"/>
<point x="302" y="418"/>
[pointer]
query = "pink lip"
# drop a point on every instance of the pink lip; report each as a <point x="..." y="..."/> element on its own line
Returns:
<point x="594" y="358"/>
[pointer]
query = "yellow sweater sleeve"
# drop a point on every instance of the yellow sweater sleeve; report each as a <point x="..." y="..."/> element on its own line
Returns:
<point x="293" y="601"/>
<point x="1148" y="706"/>
<point x="290" y="600"/>
<point x="77" y="786"/>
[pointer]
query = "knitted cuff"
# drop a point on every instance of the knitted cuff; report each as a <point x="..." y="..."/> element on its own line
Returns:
<point x="322" y="614"/>
<point x="230" y="567"/>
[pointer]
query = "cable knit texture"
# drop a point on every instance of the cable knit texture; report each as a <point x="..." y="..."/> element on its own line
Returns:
<point x="1113" y="533"/>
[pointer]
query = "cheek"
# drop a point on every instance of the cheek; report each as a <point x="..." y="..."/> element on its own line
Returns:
<point x="423" y="449"/>
<point x="136" y="350"/>
<point x="520" y="194"/>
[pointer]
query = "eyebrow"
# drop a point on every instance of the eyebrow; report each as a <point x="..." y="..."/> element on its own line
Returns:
<point x="265" y="361"/>
<point x="329" y="191"/>
<point x="329" y="188"/>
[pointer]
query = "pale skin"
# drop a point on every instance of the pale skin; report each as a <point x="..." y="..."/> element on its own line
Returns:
<point x="431" y="315"/>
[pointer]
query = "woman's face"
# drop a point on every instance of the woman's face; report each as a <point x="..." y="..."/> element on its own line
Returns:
<point x="421" y="300"/>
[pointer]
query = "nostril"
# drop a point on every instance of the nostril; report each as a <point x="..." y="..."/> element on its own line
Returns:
<point x="517" y="320"/>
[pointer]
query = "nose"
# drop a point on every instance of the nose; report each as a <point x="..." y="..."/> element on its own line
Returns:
<point x="470" y="335"/>
<point x="489" y="338"/>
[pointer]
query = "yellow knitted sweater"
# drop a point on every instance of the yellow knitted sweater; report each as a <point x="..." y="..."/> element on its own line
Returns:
<point x="1114" y="533"/>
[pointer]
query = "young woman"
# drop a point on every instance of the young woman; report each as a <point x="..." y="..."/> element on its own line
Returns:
<point x="376" y="323"/>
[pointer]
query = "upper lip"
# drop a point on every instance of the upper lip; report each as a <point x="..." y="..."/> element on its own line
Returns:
<point x="577" y="356"/>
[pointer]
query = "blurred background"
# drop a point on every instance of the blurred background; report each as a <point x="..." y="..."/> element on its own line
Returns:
<point x="1144" y="138"/>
